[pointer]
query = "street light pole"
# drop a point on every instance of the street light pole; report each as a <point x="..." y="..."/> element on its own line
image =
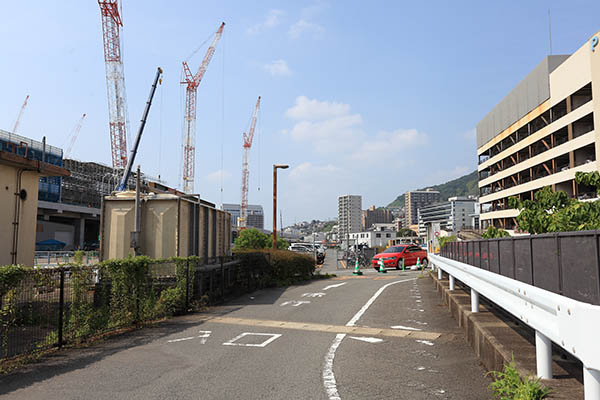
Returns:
<point x="275" y="166"/>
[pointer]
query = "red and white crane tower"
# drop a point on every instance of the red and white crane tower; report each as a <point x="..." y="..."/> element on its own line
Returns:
<point x="115" y="81"/>
<point x="245" y="172"/>
<point x="189" y="119"/>
<point x="20" y="115"/>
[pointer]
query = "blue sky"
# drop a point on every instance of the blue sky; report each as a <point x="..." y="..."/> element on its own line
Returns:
<point x="362" y="98"/>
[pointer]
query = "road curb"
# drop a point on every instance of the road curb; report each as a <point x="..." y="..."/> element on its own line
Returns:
<point x="496" y="340"/>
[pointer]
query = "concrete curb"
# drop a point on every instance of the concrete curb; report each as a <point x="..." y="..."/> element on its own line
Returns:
<point x="495" y="341"/>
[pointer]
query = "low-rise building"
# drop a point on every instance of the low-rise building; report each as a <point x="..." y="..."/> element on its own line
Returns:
<point x="374" y="238"/>
<point x="375" y="215"/>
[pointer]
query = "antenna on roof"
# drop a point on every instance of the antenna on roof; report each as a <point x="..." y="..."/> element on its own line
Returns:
<point x="550" y="30"/>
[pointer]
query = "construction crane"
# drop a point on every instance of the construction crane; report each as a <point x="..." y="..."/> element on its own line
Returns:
<point x="73" y="136"/>
<point x="127" y="171"/>
<point x="245" y="172"/>
<point x="115" y="81"/>
<point x="20" y="114"/>
<point x="189" y="119"/>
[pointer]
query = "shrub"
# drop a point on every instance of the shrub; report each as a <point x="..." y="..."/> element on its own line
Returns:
<point x="172" y="301"/>
<point x="446" y="239"/>
<point x="251" y="239"/>
<point x="492" y="233"/>
<point x="280" y="267"/>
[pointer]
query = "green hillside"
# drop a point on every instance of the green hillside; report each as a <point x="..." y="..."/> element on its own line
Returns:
<point x="463" y="186"/>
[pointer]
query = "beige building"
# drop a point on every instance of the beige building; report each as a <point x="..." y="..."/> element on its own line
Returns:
<point x="375" y="216"/>
<point x="349" y="215"/>
<point x="19" y="177"/>
<point x="541" y="134"/>
<point x="413" y="201"/>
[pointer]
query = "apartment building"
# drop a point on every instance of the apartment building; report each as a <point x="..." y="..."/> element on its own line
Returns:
<point x="349" y="214"/>
<point x="374" y="216"/>
<point x="452" y="215"/>
<point x="541" y="134"/>
<point x="416" y="199"/>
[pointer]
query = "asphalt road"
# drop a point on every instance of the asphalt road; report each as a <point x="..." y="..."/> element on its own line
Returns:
<point x="379" y="336"/>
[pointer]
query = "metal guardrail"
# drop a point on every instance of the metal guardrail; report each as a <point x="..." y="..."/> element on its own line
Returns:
<point x="570" y="324"/>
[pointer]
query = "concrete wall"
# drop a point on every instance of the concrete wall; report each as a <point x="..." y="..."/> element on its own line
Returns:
<point x="27" y="215"/>
<point x="53" y="230"/>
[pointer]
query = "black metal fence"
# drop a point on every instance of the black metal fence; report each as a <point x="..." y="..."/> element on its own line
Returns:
<point x="567" y="263"/>
<point x="53" y="307"/>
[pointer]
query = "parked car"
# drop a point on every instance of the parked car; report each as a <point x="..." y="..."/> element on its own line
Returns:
<point x="393" y="256"/>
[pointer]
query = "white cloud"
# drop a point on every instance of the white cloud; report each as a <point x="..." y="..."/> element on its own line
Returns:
<point x="272" y="20"/>
<point x="331" y="135"/>
<point x="278" y="68"/>
<point x="315" y="110"/>
<point x="388" y="145"/>
<point x="303" y="26"/>
<point x="309" y="171"/>
<point x="216" y="176"/>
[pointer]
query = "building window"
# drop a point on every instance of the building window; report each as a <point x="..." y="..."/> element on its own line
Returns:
<point x="378" y="235"/>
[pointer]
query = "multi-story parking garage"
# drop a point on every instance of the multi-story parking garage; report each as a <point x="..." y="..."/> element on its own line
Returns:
<point x="541" y="134"/>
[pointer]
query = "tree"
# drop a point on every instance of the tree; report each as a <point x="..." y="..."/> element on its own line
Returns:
<point x="492" y="233"/>
<point x="555" y="212"/>
<point x="404" y="232"/>
<point x="251" y="238"/>
<point x="282" y="244"/>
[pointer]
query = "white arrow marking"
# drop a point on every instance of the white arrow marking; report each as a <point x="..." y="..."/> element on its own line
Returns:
<point x="180" y="340"/>
<point x="367" y="339"/>
<point x="314" y="294"/>
<point x="204" y="336"/>
<point x="334" y="286"/>
<point x="427" y="342"/>
<point x="294" y="303"/>
<point x="406" y="328"/>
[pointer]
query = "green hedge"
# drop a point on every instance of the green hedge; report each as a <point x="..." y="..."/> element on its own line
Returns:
<point x="280" y="267"/>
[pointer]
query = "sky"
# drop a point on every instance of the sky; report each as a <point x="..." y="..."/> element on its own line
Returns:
<point x="370" y="98"/>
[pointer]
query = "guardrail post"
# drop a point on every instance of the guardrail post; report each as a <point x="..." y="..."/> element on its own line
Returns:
<point x="591" y="383"/>
<point x="543" y="356"/>
<point x="451" y="282"/>
<point x="474" y="301"/>
<point x="439" y="273"/>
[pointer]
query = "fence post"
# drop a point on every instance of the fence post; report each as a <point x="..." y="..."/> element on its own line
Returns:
<point x="543" y="356"/>
<point x="591" y="383"/>
<point x="187" y="285"/>
<point x="474" y="301"/>
<point x="222" y="279"/>
<point x="61" y="308"/>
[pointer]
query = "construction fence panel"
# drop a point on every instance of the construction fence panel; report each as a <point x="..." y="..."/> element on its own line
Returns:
<point x="565" y="263"/>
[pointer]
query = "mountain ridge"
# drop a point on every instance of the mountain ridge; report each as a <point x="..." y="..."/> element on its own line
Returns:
<point x="465" y="185"/>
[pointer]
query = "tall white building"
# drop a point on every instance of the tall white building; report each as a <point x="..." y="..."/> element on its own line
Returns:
<point x="452" y="215"/>
<point x="349" y="214"/>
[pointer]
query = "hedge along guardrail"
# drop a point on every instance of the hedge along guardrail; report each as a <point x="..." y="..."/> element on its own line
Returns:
<point x="44" y="308"/>
<point x="566" y="263"/>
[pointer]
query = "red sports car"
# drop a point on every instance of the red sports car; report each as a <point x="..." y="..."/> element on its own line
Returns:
<point x="393" y="256"/>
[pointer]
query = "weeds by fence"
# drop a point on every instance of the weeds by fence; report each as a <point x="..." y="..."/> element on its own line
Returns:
<point x="44" y="308"/>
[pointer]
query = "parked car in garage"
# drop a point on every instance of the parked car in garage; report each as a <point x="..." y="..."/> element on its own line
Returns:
<point x="393" y="256"/>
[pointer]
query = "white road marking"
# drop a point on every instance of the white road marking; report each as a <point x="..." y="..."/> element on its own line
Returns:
<point x="420" y="368"/>
<point x="364" y="308"/>
<point x="181" y="340"/>
<point x="314" y="294"/>
<point x="427" y="342"/>
<point x="294" y="303"/>
<point x="334" y="286"/>
<point x="406" y="328"/>
<point x="417" y="322"/>
<point x="367" y="339"/>
<point x="328" y="376"/>
<point x="273" y="336"/>
<point x="204" y="335"/>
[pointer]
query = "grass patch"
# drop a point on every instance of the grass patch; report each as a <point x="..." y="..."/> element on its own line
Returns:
<point x="510" y="385"/>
